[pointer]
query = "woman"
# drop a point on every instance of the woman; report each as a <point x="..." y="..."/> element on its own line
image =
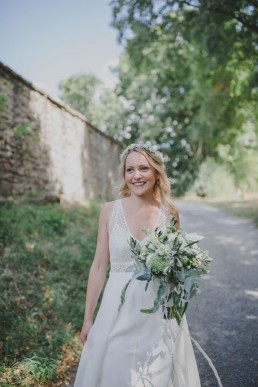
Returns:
<point x="127" y="348"/>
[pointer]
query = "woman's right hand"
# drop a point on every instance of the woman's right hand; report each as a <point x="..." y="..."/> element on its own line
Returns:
<point x="85" y="331"/>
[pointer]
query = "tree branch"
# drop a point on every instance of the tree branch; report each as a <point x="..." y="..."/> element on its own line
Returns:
<point x="221" y="11"/>
<point x="190" y="4"/>
<point x="251" y="27"/>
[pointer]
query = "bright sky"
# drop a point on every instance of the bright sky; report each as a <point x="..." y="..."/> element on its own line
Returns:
<point x="47" y="41"/>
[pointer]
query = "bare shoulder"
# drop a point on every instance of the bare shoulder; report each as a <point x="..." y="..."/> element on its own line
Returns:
<point x="106" y="210"/>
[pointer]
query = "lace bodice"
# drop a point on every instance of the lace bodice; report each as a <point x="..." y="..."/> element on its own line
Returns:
<point x="119" y="235"/>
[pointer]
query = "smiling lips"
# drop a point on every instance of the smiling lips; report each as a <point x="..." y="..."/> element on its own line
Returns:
<point x="140" y="183"/>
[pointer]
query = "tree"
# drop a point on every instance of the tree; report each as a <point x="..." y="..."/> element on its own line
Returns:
<point x="79" y="91"/>
<point x="109" y="112"/>
<point x="201" y="52"/>
<point x="133" y="16"/>
<point x="188" y="74"/>
<point x="187" y="81"/>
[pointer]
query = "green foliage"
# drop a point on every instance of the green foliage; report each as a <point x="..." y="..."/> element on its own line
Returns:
<point x="79" y="92"/>
<point x="213" y="180"/>
<point x="102" y="106"/>
<point x="109" y="113"/>
<point x="187" y="82"/>
<point x="188" y="74"/>
<point x="53" y="221"/>
<point x="242" y="158"/>
<point x="184" y="78"/>
<point x="134" y="16"/>
<point x="27" y="129"/>
<point x="46" y="253"/>
<point x="21" y="129"/>
<point x="245" y="170"/>
<point x="2" y="103"/>
<point x="39" y="370"/>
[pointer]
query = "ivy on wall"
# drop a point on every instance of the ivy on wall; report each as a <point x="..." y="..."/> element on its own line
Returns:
<point x="28" y="129"/>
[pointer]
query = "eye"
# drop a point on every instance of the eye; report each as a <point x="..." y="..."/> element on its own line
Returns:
<point x="144" y="168"/>
<point x="129" y="170"/>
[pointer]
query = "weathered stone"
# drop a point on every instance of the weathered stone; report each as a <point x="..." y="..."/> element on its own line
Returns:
<point x="49" y="146"/>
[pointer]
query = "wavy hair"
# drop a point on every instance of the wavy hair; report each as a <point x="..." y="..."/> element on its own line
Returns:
<point x="161" y="190"/>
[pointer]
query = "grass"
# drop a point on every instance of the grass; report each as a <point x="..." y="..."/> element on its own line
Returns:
<point x="46" y="252"/>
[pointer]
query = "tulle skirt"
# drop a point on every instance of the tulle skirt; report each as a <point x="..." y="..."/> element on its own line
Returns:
<point x="128" y="348"/>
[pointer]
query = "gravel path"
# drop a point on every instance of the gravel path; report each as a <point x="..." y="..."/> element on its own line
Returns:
<point x="226" y="321"/>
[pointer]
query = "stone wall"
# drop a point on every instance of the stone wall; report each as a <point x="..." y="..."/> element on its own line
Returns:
<point x="49" y="149"/>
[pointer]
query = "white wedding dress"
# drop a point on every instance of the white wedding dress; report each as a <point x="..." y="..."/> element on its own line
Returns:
<point x="128" y="348"/>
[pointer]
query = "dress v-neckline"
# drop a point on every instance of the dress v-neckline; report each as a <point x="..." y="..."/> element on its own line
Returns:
<point x="127" y="226"/>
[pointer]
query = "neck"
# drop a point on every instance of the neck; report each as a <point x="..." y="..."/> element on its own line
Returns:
<point x="144" y="200"/>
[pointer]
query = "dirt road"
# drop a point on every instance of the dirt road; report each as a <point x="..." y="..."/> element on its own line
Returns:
<point x="226" y="321"/>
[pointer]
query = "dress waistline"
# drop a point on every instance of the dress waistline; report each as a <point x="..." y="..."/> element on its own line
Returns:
<point x="122" y="267"/>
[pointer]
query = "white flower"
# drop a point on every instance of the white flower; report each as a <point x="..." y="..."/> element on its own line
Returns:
<point x="151" y="246"/>
<point x="148" y="260"/>
<point x="162" y="250"/>
<point x="194" y="237"/>
<point x="172" y="236"/>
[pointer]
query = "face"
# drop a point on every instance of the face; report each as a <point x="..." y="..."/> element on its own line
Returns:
<point x="140" y="176"/>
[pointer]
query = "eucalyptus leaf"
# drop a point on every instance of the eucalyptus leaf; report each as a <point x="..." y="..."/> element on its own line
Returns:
<point x="193" y="290"/>
<point x="147" y="283"/>
<point x="158" y="300"/>
<point x="142" y="275"/>
<point x="191" y="243"/>
<point x="122" y="296"/>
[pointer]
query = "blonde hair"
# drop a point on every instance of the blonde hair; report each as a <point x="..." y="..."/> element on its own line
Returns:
<point x="161" y="190"/>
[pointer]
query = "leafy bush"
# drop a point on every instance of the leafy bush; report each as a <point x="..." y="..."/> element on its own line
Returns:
<point x="53" y="221"/>
<point x="213" y="180"/>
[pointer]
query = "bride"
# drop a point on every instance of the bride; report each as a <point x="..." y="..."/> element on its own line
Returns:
<point x="127" y="348"/>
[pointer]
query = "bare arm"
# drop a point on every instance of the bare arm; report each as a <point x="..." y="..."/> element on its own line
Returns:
<point x="97" y="273"/>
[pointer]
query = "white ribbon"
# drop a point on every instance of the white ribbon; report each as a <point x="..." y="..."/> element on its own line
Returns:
<point x="208" y="360"/>
<point x="201" y="350"/>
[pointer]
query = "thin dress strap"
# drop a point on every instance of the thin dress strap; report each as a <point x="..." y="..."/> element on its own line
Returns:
<point x="112" y="220"/>
<point x="117" y="217"/>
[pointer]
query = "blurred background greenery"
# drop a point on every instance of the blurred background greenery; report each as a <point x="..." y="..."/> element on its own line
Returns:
<point x="188" y="83"/>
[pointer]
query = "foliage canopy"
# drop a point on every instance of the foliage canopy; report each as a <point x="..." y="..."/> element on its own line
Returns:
<point x="187" y="81"/>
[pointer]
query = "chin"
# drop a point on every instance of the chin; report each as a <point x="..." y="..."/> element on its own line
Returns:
<point x="141" y="192"/>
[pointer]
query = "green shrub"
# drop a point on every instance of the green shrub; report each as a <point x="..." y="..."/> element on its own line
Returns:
<point x="213" y="180"/>
<point x="53" y="222"/>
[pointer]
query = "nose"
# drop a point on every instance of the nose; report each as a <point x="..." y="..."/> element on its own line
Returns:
<point x="137" y="174"/>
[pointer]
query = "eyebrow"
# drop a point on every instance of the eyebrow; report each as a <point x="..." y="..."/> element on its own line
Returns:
<point x="141" y="165"/>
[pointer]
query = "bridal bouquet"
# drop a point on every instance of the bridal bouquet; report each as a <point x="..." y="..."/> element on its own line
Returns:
<point x="173" y="260"/>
